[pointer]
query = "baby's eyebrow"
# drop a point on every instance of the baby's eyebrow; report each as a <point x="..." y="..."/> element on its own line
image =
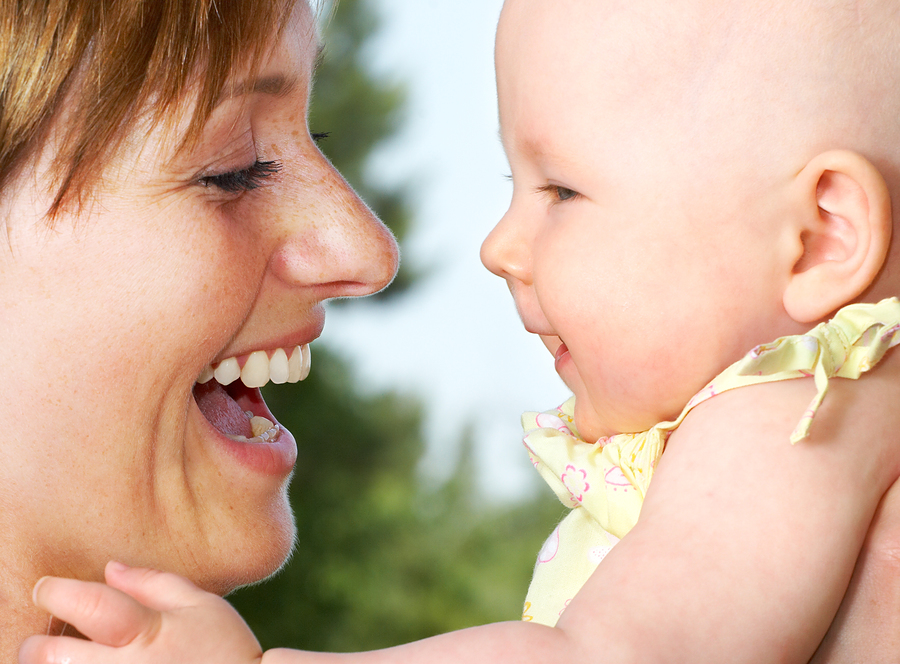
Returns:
<point x="535" y="149"/>
<point x="528" y="148"/>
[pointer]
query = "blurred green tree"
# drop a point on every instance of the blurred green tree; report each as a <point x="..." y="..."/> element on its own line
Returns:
<point x="381" y="558"/>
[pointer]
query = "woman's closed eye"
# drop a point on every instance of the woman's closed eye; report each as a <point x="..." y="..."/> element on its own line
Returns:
<point x="245" y="179"/>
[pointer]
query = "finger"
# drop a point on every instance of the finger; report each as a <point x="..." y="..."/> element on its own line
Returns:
<point x="158" y="590"/>
<point x="63" y="650"/>
<point x="101" y="613"/>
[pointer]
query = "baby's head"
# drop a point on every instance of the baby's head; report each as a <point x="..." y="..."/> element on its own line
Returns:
<point x="691" y="178"/>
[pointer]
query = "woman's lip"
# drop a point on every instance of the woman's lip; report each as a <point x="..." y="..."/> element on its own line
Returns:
<point x="275" y="458"/>
<point x="308" y="334"/>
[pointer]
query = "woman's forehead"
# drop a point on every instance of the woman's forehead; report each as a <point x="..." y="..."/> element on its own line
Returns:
<point x="285" y="69"/>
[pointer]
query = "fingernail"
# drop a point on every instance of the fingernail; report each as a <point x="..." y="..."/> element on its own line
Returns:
<point x="35" y="589"/>
<point x="116" y="566"/>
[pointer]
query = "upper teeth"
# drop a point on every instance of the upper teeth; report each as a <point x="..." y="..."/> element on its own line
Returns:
<point x="259" y="368"/>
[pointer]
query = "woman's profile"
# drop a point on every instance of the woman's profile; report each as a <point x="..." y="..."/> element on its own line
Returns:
<point x="170" y="232"/>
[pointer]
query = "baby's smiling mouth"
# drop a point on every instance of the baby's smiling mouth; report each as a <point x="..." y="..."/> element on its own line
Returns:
<point x="228" y="393"/>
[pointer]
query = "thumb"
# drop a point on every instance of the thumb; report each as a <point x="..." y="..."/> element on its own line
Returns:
<point x="101" y="613"/>
<point x="158" y="590"/>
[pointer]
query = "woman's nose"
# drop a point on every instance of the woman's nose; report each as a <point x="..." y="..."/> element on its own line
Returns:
<point x="335" y="243"/>
<point x="505" y="251"/>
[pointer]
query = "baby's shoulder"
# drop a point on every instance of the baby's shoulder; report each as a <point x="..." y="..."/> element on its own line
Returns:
<point x="857" y="418"/>
<point x="869" y="407"/>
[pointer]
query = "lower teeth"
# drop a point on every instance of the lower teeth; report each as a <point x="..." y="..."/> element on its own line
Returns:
<point x="261" y="427"/>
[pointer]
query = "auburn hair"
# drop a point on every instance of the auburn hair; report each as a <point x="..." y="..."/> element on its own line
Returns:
<point x="111" y="61"/>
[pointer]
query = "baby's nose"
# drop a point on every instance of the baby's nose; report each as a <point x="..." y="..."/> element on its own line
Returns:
<point x="505" y="252"/>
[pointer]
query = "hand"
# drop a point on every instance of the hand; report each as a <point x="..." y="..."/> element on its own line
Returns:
<point x="140" y="616"/>
<point x="867" y="626"/>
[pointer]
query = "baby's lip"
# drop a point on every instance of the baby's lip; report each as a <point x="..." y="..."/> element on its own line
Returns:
<point x="560" y="357"/>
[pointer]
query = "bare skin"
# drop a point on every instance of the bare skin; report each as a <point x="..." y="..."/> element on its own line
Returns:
<point x="714" y="175"/>
<point x="865" y="628"/>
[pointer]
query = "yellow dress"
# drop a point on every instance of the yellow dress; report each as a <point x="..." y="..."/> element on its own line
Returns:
<point x="605" y="482"/>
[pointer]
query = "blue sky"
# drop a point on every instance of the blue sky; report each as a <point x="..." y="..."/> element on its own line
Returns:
<point x="455" y="341"/>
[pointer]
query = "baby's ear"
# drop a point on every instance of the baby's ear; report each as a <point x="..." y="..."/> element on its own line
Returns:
<point x="842" y="224"/>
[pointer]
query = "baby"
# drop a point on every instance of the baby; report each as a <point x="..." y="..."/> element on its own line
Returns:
<point x="702" y="202"/>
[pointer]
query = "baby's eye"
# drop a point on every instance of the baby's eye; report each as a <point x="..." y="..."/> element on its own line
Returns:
<point x="564" y="194"/>
<point x="245" y="179"/>
<point x="558" y="193"/>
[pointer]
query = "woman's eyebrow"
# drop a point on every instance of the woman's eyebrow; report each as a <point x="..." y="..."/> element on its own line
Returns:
<point x="277" y="85"/>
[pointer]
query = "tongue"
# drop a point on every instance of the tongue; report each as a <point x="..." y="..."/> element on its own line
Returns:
<point x="221" y="410"/>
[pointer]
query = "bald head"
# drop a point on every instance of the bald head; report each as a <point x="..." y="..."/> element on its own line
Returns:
<point x="771" y="82"/>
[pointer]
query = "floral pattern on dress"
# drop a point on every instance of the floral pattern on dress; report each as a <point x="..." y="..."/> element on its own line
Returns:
<point x="575" y="480"/>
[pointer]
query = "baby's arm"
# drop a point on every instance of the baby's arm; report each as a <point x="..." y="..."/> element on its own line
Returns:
<point x="141" y="616"/>
<point x="742" y="553"/>
<point x="745" y="544"/>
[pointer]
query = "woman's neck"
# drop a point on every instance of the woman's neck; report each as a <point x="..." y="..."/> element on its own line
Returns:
<point x="19" y="617"/>
<point x="20" y="621"/>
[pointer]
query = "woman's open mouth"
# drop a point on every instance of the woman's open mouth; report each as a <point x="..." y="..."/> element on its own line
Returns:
<point x="229" y="398"/>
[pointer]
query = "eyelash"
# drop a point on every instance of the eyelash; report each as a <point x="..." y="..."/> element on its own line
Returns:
<point x="557" y="193"/>
<point x="252" y="177"/>
<point x="246" y="179"/>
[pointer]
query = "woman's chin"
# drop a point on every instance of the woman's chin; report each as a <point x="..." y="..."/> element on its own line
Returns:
<point x="255" y="561"/>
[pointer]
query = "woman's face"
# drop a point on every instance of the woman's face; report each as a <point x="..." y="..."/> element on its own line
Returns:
<point x="111" y="315"/>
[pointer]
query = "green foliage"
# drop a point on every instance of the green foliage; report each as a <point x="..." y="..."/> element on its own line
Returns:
<point x="381" y="557"/>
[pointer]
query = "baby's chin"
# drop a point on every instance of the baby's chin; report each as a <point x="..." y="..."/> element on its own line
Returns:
<point x="593" y="424"/>
<point x="589" y="425"/>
